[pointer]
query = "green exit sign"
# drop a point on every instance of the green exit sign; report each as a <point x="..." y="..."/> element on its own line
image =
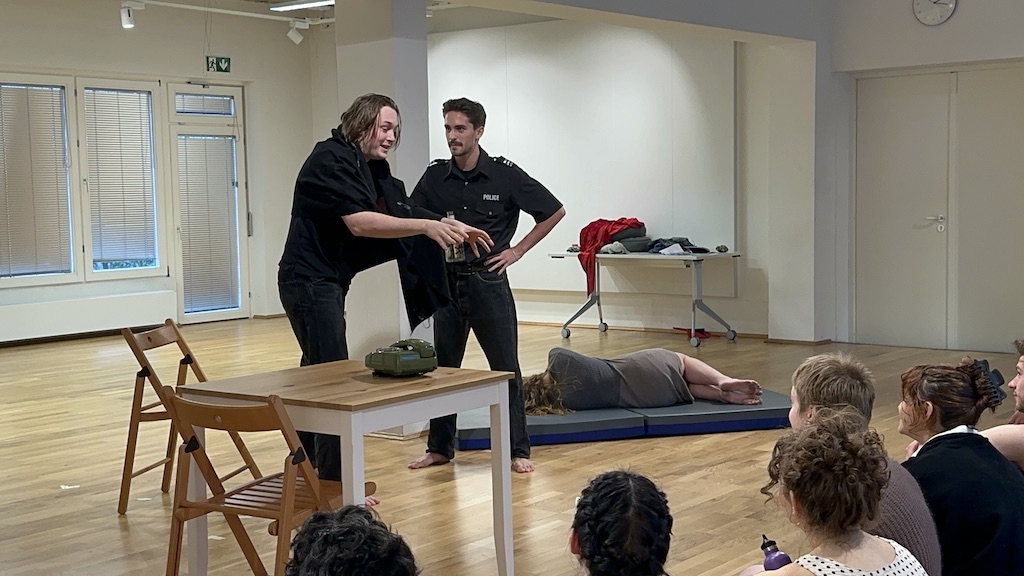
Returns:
<point x="218" y="64"/>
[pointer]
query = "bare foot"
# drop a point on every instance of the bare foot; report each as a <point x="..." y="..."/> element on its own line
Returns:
<point x="372" y="501"/>
<point x="428" y="459"/>
<point x="522" y="465"/>
<point x="735" y="391"/>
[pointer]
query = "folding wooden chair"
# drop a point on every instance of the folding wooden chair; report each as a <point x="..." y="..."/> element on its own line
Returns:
<point x="287" y="498"/>
<point x="154" y="412"/>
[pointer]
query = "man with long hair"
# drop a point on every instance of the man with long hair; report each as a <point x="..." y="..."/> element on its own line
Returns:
<point x="347" y="213"/>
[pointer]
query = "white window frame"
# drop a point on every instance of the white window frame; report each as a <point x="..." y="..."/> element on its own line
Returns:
<point x="188" y="124"/>
<point x="74" y="182"/>
<point x="161" y="181"/>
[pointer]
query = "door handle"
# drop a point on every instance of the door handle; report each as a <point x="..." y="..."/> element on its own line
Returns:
<point x="939" y="218"/>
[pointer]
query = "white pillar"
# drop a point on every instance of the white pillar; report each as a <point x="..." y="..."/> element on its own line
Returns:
<point x="382" y="47"/>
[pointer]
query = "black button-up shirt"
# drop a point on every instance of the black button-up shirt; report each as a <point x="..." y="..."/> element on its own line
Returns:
<point x="488" y="197"/>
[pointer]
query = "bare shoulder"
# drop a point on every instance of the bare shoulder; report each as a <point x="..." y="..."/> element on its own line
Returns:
<point x="787" y="570"/>
<point x="791" y="570"/>
<point x="1009" y="440"/>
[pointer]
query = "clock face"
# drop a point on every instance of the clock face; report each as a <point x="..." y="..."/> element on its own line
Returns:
<point x="932" y="12"/>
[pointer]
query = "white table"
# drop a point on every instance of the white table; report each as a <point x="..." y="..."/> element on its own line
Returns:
<point x="344" y="399"/>
<point x="657" y="260"/>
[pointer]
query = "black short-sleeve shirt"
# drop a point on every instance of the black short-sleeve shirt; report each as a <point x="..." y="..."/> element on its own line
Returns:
<point x="489" y="197"/>
<point x="336" y="180"/>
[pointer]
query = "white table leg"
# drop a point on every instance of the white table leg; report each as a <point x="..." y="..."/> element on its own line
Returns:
<point x="353" y="473"/>
<point x="501" y="482"/>
<point x="196" y="529"/>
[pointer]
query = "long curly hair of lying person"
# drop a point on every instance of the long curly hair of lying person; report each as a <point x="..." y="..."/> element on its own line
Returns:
<point x="543" y="394"/>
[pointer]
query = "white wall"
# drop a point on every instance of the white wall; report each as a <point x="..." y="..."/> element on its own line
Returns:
<point x="616" y="122"/>
<point x="878" y="34"/>
<point x="752" y="20"/>
<point x="85" y="37"/>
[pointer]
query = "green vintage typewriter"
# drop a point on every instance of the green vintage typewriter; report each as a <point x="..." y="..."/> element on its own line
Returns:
<point x="403" y="358"/>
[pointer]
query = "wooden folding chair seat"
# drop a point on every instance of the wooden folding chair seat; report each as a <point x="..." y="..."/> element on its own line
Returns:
<point x="140" y="343"/>
<point x="286" y="498"/>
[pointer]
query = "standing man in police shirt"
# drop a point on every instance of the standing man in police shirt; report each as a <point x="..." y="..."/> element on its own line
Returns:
<point x="486" y="192"/>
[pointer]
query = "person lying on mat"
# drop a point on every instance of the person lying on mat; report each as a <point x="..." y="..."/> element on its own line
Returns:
<point x="644" y="379"/>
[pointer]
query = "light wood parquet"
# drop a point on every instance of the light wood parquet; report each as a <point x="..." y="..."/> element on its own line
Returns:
<point x="64" y="410"/>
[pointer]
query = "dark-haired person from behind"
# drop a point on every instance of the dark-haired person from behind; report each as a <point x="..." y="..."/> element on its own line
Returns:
<point x="622" y="526"/>
<point x="975" y="494"/>
<point x="351" y="541"/>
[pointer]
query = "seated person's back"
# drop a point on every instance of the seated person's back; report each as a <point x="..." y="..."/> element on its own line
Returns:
<point x="975" y="494"/>
<point x="622" y="526"/>
<point x="351" y="541"/>
<point x="837" y="380"/>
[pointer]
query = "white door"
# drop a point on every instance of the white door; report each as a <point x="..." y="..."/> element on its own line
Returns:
<point x="989" y="191"/>
<point x="902" y="176"/>
<point x="211" y="218"/>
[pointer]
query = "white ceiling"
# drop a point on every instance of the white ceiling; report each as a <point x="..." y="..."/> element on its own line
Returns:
<point x="447" y="19"/>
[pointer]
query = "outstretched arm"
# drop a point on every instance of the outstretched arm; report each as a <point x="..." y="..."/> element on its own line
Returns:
<point x="378" y="225"/>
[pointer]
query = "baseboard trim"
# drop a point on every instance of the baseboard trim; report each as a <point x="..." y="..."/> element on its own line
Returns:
<point x="636" y="329"/>
<point x="268" y="316"/>
<point x="798" y="342"/>
<point x="392" y="436"/>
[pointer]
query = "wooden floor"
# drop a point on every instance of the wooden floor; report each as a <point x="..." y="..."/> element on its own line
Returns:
<point x="64" y="411"/>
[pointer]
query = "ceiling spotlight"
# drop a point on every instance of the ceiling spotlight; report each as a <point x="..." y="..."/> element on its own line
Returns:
<point x="293" y="30"/>
<point x="300" y="5"/>
<point x="128" y="8"/>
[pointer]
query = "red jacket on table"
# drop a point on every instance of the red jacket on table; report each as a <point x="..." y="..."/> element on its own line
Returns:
<point x="594" y="236"/>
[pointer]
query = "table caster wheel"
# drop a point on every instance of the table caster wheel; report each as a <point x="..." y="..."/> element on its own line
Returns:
<point x="602" y="327"/>
<point x="695" y="342"/>
<point x="730" y="335"/>
<point x="565" y="333"/>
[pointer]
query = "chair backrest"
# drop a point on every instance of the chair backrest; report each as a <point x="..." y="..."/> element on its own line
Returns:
<point x="256" y="418"/>
<point x="166" y="334"/>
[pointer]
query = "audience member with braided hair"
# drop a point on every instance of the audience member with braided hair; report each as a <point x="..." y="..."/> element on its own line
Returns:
<point x="622" y="526"/>
<point x="828" y="477"/>
<point x="351" y="541"/>
<point x="975" y="494"/>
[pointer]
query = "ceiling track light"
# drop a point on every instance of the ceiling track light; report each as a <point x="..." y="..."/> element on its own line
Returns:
<point x="300" y="5"/>
<point x="293" y="29"/>
<point x="128" y="8"/>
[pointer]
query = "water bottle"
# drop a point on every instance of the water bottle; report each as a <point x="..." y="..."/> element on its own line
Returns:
<point x="773" y="557"/>
<point x="454" y="253"/>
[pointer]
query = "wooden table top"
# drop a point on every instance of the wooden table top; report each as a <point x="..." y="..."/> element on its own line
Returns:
<point x="343" y="385"/>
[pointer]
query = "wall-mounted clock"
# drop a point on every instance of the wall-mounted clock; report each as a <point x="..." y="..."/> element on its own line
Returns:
<point x="933" y="12"/>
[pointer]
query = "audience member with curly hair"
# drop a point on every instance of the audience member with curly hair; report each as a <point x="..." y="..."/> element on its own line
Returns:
<point x="351" y="541"/>
<point x="835" y="380"/>
<point x="622" y="526"/>
<point x="976" y="495"/>
<point x="828" y="477"/>
<point x="649" y="378"/>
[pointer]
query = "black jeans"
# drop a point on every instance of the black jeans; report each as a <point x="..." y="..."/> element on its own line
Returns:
<point x="316" y="311"/>
<point x="483" y="303"/>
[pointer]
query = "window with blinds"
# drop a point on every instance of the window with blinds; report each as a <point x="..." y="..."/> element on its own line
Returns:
<point x="208" y="192"/>
<point x="121" y="178"/>
<point x="204" y="105"/>
<point x="35" y="192"/>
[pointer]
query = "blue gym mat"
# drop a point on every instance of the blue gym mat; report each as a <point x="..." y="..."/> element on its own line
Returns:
<point x="701" y="417"/>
